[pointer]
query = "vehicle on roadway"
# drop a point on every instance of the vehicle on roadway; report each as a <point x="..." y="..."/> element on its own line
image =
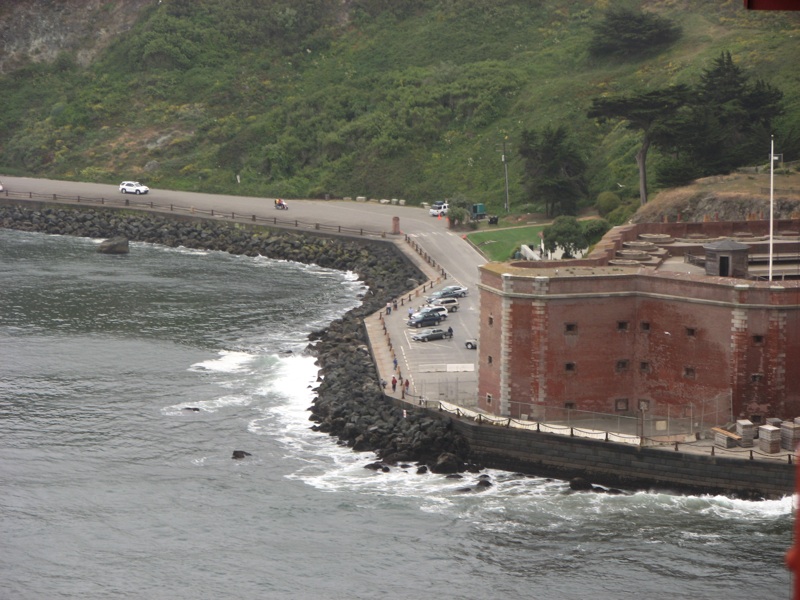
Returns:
<point x="471" y="344"/>
<point x="426" y="335"/>
<point x="439" y="210"/>
<point x="133" y="187"/>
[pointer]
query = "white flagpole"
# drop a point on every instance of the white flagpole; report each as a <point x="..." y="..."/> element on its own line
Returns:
<point x="771" y="195"/>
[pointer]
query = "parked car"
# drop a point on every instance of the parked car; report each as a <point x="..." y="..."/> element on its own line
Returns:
<point x="451" y="291"/>
<point x="471" y="344"/>
<point x="451" y="304"/>
<point x="133" y="187"/>
<point x="427" y="335"/>
<point x="424" y="320"/>
<point x="1" y="186"/>
<point x="458" y="290"/>
<point x="439" y="310"/>
<point x="440" y="210"/>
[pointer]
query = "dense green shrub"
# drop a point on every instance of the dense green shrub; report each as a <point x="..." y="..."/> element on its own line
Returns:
<point x="607" y="202"/>
<point x="594" y="230"/>
<point x="622" y="214"/>
<point x="630" y="33"/>
<point x="403" y="98"/>
<point x="566" y="233"/>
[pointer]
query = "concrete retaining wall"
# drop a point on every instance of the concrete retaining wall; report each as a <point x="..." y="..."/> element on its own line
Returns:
<point x="622" y="465"/>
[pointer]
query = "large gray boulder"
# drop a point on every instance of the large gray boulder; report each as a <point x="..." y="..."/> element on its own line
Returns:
<point x="115" y="245"/>
<point x="447" y="463"/>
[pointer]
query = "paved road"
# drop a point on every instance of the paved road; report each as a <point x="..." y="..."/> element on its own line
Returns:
<point x="439" y="370"/>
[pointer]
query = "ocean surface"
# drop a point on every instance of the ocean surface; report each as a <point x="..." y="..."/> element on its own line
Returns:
<point x="110" y="488"/>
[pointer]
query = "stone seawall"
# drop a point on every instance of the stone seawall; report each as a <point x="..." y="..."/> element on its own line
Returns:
<point x="349" y="402"/>
<point x="622" y="465"/>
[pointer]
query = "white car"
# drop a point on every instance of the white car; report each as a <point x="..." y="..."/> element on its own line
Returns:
<point x="439" y="210"/>
<point x="133" y="187"/>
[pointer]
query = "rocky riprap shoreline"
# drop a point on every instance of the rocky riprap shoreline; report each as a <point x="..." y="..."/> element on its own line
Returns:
<point x="349" y="403"/>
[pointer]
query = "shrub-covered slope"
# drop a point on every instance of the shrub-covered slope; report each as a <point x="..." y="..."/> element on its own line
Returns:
<point x="418" y="99"/>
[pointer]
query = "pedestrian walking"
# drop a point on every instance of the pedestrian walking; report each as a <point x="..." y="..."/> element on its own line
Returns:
<point x="450" y="332"/>
<point x="407" y="383"/>
<point x="394" y="383"/>
<point x="394" y="304"/>
<point x="410" y="312"/>
<point x="388" y="308"/>
<point x="395" y="363"/>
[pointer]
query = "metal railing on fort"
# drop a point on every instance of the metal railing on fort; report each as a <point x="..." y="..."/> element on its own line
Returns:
<point x="132" y="203"/>
<point x="603" y="435"/>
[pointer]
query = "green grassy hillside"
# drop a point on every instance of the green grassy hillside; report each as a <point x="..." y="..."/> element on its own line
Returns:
<point x="406" y="99"/>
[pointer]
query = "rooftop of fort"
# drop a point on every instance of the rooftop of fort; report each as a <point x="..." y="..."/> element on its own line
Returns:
<point x="676" y="251"/>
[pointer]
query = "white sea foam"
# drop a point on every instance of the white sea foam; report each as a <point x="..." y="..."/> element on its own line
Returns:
<point x="210" y="405"/>
<point x="289" y="387"/>
<point x="226" y="362"/>
<point x="191" y="251"/>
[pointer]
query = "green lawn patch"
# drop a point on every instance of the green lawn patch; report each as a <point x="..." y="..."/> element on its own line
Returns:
<point x="501" y="244"/>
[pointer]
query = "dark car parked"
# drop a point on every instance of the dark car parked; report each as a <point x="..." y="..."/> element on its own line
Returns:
<point x="424" y="320"/>
<point x="426" y="335"/>
<point x="451" y="291"/>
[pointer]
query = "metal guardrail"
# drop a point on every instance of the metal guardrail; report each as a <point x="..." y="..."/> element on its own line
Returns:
<point x="600" y="435"/>
<point x="129" y="202"/>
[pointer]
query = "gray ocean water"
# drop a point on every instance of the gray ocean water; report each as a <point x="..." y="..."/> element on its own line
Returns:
<point x="109" y="488"/>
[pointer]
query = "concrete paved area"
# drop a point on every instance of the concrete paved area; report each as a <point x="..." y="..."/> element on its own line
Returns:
<point x="439" y="371"/>
<point x="442" y="370"/>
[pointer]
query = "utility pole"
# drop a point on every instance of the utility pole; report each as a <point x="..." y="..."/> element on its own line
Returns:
<point x="771" y="197"/>
<point x="505" y="170"/>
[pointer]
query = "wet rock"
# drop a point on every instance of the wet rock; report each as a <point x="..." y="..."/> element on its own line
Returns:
<point x="115" y="245"/>
<point x="579" y="484"/>
<point x="447" y="463"/>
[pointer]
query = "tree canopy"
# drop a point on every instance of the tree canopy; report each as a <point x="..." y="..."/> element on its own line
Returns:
<point x="646" y="112"/>
<point x="554" y="169"/>
<point x="565" y="233"/>
<point x="727" y="124"/>
<point x="628" y="32"/>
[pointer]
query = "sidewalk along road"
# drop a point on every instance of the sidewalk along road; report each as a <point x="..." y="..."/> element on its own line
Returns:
<point x="440" y="370"/>
<point x="456" y="256"/>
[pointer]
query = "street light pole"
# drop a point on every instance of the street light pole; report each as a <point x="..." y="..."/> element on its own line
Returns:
<point x="771" y="197"/>
<point x="505" y="170"/>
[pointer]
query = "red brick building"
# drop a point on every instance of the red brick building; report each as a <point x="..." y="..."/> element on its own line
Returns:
<point x="670" y="318"/>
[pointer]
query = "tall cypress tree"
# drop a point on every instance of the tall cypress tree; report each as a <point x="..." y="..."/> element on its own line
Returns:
<point x="554" y="169"/>
<point x="727" y="125"/>
<point x="645" y="112"/>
